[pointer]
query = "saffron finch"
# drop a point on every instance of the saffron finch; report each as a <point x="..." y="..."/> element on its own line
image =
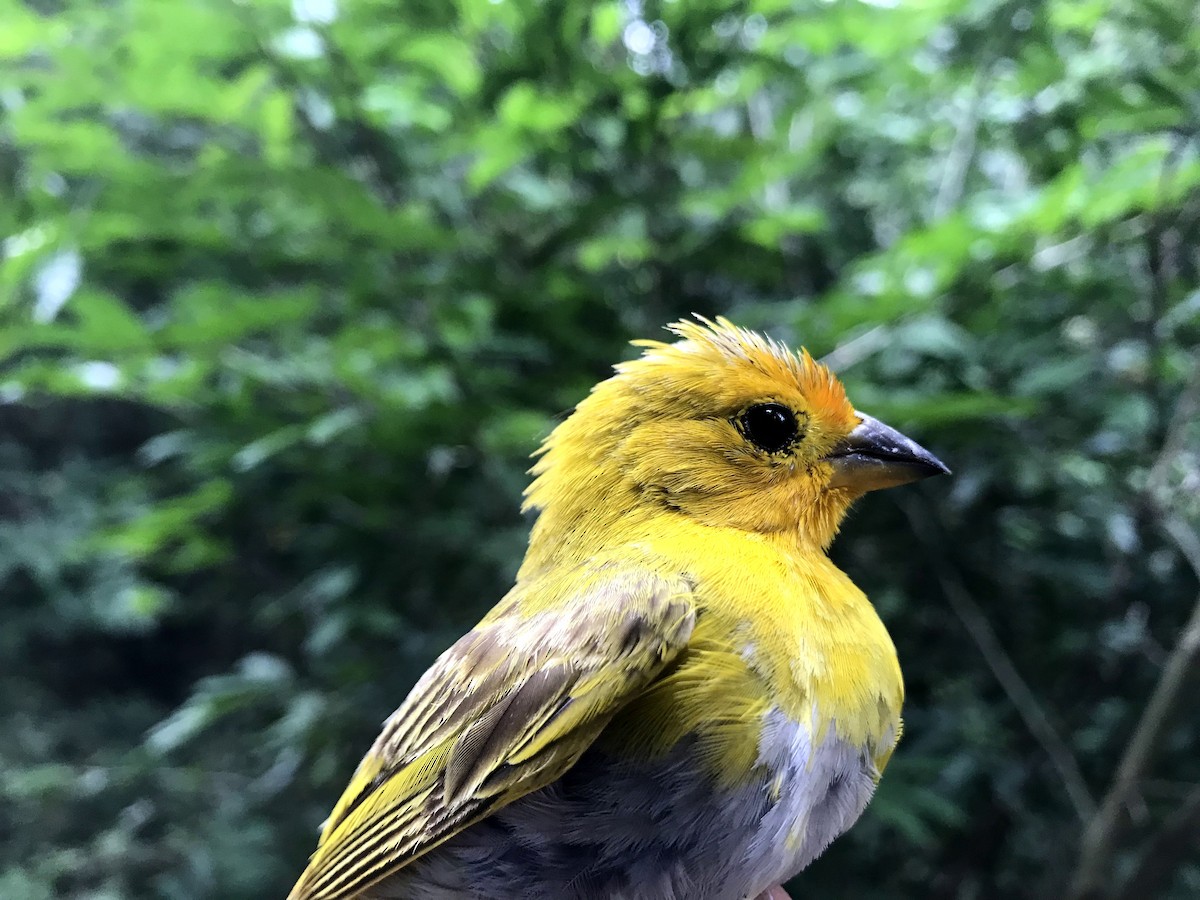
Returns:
<point x="681" y="698"/>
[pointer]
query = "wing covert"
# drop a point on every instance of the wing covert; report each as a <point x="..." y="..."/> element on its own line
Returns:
<point x="504" y="711"/>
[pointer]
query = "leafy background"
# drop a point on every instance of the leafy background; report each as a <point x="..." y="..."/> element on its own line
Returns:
<point x="289" y="291"/>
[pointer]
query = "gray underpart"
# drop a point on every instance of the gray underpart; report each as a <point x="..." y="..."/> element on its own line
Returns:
<point x="605" y="831"/>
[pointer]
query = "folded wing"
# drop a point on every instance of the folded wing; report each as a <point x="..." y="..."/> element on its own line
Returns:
<point x="505" y="711"/>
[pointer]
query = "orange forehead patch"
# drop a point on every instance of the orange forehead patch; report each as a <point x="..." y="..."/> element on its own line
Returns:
<point x="721" y="345"/>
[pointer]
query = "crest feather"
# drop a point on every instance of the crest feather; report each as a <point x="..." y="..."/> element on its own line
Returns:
<point x="720" y="343"/>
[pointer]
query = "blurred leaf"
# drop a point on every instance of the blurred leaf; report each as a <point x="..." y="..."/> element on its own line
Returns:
<point x="290" y="290"/>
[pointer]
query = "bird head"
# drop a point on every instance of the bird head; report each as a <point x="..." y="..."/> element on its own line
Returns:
<point x="723" y="426"/>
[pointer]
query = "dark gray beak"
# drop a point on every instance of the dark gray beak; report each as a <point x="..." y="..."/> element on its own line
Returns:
<point x="875" y="456"/>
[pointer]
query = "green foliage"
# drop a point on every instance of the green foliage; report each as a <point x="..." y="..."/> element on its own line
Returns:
<point x="289" y="291"/>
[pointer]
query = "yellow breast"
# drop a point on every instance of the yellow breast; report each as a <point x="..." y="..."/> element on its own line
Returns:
<point x="778" y="630"/>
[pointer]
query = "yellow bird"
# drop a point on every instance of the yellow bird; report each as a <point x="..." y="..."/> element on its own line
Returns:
<point x="681" y="698"/>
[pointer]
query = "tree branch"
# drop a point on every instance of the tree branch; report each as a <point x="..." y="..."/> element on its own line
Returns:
<point x="1100" y="837"/>
<point x="1099" y="840"/>
<point x="1177" y="839"/>
<point x="1003" y="668"/>
<point x="855" y="350"/>
<point x="961" y="153"/>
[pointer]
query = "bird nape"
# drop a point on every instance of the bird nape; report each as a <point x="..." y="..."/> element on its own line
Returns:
<point x="681" y="696"/>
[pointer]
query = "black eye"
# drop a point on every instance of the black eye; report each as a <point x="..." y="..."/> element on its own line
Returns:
<point x="769" y="426"/>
